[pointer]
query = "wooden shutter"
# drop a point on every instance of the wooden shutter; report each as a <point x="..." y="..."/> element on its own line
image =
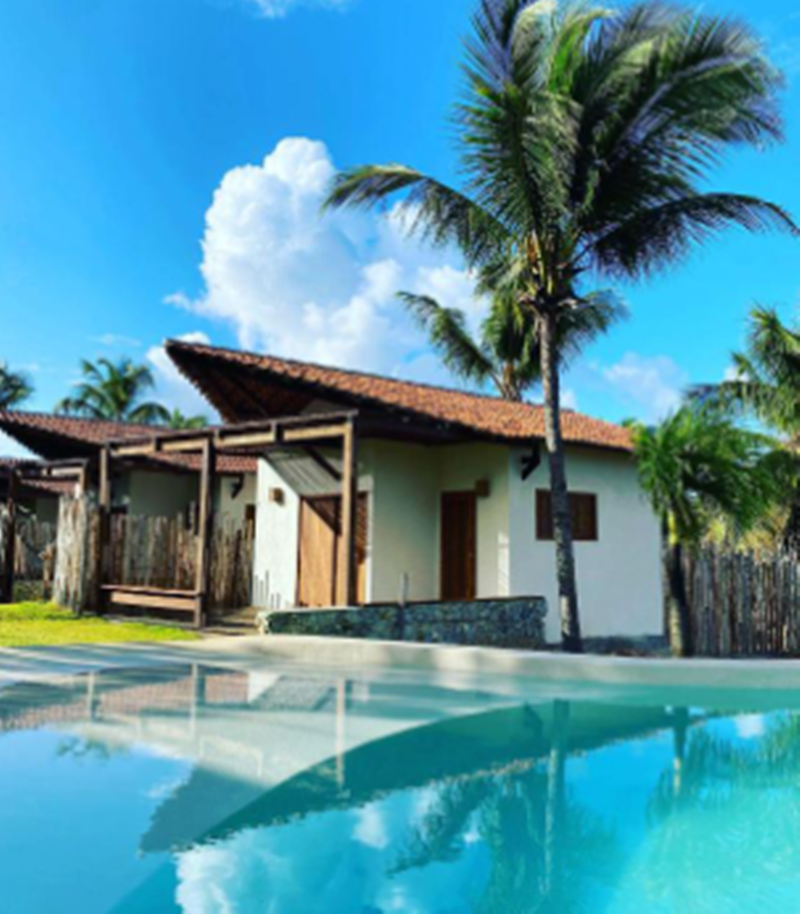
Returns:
<point x="583" y="511"/>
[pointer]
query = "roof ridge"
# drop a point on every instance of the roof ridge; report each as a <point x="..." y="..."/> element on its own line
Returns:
<point x="353" y="372"/>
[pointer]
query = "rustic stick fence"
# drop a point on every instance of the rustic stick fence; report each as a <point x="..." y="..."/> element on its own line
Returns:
<point x="34" y="553"/>
<point x="744" y="605"/>
<point x="156" y="552"/>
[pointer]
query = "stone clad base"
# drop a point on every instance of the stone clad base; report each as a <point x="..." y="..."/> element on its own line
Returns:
<point x="509" y="623"/>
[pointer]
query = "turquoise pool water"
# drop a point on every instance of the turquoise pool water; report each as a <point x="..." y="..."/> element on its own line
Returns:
<point x="284" y="790"/>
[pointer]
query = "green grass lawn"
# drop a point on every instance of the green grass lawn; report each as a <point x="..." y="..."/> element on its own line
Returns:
<point x="29" y="624"/>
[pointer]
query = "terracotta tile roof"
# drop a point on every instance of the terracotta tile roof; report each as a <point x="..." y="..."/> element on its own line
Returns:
<point x="486" y="416"/>
<point x="45" y="433"/>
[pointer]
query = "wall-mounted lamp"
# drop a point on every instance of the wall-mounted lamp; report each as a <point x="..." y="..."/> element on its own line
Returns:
<point x="483" y="488"/>
<point x="276" y="496"/>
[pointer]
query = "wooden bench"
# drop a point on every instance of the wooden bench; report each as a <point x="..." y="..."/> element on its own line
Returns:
<point x="179" y="601"/>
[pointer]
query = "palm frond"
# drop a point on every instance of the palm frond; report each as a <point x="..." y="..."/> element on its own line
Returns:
<point x="436" y="213"/>
<point x="447" y="331"/>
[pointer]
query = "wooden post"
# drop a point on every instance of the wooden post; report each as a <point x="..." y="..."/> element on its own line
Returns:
<point x="206" y="531"/>
<point x="350" y="513"/>
<point x="10" y="556"/>
<point x="104" y="527"/>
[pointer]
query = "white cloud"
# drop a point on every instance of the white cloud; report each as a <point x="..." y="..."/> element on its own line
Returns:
<point x="277" y="9"/>
<point x="321" y="287"/>
<point x="569" y="399"/>
<point x="11" y="448"/>
<point x="371" y="828"/>
<point x="654" y="385"/>
<point x="114" y="340"/>
<point x="172" y="388"/>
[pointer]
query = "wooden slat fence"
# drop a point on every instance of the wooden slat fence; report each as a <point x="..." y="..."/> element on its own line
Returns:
<point x="161" y="552"/>
<point x="34" y="554"/>
<point x="146" y="551"/>
<point x="744" y="605"/>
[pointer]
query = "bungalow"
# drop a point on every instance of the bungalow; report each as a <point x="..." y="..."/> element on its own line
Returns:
<point x="163" y="485"/>
<point x="436" y="494"/>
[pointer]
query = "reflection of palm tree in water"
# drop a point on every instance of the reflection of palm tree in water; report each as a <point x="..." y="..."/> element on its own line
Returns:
<point x="723" y="823"/>
<point x="544" y="849"/>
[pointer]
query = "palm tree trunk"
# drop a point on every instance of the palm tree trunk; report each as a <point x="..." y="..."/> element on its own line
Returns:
<point x="791" y="533"/>
<point x="571" y="639"/>
<point x="680" y="624"/>
<point x="556" y="805"/>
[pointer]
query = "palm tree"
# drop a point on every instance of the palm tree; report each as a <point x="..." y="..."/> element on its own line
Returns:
<point x="587" y="139"/>
<point x="114" y="391"/>
<point x="695" y="465"/>
<point x="15" y="387"/>
<point x="507" y="353"/>
<point x="766" y="386"/>
<point x="178" y="421"/>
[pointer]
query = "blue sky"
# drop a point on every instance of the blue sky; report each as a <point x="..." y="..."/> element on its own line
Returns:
<point x="162" y="161"/>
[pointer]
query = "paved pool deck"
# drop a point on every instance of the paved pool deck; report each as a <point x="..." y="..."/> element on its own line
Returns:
<point x="469" y="667"/>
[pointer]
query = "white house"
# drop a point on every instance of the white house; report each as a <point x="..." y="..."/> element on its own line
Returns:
<point x="453" y="499"/>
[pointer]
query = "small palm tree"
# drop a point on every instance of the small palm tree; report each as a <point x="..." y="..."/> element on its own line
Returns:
<point x="114" y="391"/>
<point x="179" y="422"/>
<point x="587" y="139"/>
<point x="15" y="387"/>
<point x="696" y="465"/>
<point x="767" y="388"/>
<point x="507" y="354"/>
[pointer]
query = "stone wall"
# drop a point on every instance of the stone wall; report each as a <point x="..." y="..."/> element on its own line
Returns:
<point x="509" y="623"/>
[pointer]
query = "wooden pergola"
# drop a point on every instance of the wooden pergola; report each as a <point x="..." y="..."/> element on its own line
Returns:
<point x="59" y="471"/>
<point x="259" y="437"/>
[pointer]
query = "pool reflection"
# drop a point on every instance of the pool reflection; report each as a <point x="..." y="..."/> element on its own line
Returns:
<point x="241" y="791"/>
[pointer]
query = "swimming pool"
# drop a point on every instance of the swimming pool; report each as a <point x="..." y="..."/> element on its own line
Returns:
<point x="293" y="788"/>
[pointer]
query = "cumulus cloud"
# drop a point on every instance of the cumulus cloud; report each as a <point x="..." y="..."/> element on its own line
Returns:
<point x="172" y="388"/>
<point x="115" y="340"/>
<point x="277" y="9"/>
<point x="320" y="287"/>
<point x="653" y="385"/>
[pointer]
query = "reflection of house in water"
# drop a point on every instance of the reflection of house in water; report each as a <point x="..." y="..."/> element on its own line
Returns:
<point x="270" y="747"/>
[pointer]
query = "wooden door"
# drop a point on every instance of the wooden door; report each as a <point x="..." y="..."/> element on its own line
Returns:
<point x="458" y="546"/>
<point x="322" y="552"/>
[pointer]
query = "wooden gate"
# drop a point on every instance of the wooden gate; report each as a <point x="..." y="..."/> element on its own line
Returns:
<point x="322" y="558"/>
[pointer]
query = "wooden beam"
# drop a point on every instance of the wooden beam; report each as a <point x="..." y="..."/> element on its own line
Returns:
<point x="350" y="513"/>
<point x="10" y="545"/>
<point x="206" y="529"/>
<point x="165" y="601"/>
<point x="104" y="526"/>
<point x="135" y="450"/>
<point x="314" y="433"/>
<point x="247" y="439"/>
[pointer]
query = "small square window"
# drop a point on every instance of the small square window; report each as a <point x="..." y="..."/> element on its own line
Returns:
<point x="583" y="509"/>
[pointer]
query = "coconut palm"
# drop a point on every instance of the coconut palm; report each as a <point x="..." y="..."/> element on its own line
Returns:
<point x="766" y="386"/>
<point x="587" y="140"/>
<point x="178" y="421"/>
<point x="114" y="391"/>
<point x="695" y="465"/>
<point x="15" y="387"/>
<point x="507" y="353"/>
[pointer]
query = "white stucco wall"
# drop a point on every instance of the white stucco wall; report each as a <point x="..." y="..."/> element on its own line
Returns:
<point x="461" y="468"/>
<point x="405" y="521"/>
<point x="155" y="494"/>
<point x="619" y="576"/>
<point x="278" y="527"/>
<point x="148" y="494"/>
<point x="234" y="509"/>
